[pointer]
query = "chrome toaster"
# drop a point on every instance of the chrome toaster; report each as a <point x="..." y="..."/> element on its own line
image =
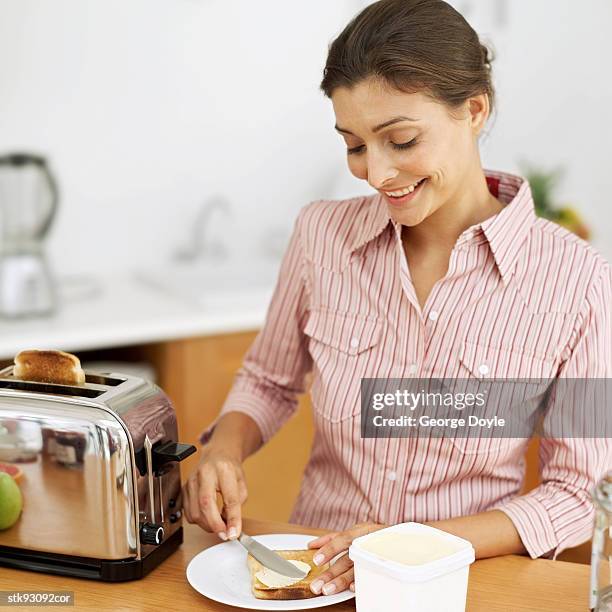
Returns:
<point x="100" y="480"/>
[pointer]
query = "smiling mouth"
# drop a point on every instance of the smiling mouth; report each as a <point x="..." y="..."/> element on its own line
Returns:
<point x="400" y="193"/>
<point x="407" y="194"/>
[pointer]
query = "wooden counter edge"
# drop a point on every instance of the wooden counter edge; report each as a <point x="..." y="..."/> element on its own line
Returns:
<point x="496" y="584"/>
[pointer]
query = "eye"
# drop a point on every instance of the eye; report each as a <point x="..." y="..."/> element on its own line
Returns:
<point x="404" y="145"/>
<point x="400" y="146"/>
<point x="356" y="150"/>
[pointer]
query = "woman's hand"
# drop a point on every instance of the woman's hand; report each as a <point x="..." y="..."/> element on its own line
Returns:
<point x="218" y="471"/>
<point x="340" y="575"/>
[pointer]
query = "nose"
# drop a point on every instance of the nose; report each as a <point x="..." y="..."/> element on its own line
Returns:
<point x="380" y="170"/>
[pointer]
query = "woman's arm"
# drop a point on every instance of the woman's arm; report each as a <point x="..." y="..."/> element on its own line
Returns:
<point x="237" y="434"/>
<point x="263" y="396"/>
<point x="235" y="437"/>
<point x="575" y="450"/>
<point x="491" y="533"/>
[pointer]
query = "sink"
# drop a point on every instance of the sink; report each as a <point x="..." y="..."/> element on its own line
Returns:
<point x="226" y="284"/>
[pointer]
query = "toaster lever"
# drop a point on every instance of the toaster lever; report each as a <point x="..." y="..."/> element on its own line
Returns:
<point x="147" y="446"/>
<point x="170" y="451"/>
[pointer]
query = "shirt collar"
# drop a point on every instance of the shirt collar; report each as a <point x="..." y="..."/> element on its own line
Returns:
<point x="505" y="232"/>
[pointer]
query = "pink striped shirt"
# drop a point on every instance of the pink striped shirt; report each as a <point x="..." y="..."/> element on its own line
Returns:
<point x="522" y="296"/>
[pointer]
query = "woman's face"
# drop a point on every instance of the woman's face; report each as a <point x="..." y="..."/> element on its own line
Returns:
<point x="395" y="139"/>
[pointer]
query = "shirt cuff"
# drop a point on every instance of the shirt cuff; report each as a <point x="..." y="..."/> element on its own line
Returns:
<point x="533" y="524"/>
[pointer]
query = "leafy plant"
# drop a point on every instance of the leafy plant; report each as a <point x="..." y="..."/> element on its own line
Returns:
<point x="543" y="184"/>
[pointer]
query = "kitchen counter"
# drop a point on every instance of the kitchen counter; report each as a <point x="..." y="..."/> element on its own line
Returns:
<point x="141" y="309"/>
<point x="495" y="585"/>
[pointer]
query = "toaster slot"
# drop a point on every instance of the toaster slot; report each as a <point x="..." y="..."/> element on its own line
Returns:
<point x="50" y="389"/>
<point x="96" y="384"/>
<point x="102" y="379"/>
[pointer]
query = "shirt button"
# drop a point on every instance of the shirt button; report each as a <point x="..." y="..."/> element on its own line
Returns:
<point x="413" y="368"/>
<point x="392" y="475"/>
<point x="433" y="315"/>
<point x="483" y="368"/>
<point x="354" y="342"/>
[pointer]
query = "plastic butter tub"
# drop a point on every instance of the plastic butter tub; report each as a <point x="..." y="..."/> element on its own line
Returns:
<point x="410" y="567"/>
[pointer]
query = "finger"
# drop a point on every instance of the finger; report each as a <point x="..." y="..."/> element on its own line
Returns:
<point x="335" y="584"/>
<point x="196" y="512"/>
<point x="352" y="586"/>
<point x="339" y="584"/>
<point x="336" y="545"/>
<point x="242" y="490"/>
<point x="242" y="496"/>
<point x="207" y="503"/>
<point x="192" y="500"/>
<point x="322" y="540"/>
<point x="185" y="503"/>
<point x="231" y="501"/>
<point x="339" y="567"/>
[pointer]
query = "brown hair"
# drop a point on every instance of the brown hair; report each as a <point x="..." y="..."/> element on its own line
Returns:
<point x="412" y="45"/>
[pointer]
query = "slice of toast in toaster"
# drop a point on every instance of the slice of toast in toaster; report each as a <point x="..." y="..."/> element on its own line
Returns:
<point x="299" y="590"/>
<point x="48" y="366"/>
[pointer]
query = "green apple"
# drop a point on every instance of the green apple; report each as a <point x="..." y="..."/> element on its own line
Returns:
<point x="11" y="501"/>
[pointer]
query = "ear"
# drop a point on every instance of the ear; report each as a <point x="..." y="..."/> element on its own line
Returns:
<point x="479" y="108"/>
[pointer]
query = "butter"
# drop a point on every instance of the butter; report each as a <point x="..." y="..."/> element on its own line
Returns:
<point x="410" y="548"/>
<point x="274" y="580"/>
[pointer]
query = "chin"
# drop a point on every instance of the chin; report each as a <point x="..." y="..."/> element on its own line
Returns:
<point x="407" y="218"/>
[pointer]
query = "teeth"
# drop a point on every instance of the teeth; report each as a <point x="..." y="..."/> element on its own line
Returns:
<point x="405" y="191"/>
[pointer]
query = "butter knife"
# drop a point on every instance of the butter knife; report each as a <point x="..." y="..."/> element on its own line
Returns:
<point x="271" y="559"/>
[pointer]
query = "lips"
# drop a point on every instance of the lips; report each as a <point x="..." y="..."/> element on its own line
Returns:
<point x="393" y="193"/>
<point x="401" y="200"/>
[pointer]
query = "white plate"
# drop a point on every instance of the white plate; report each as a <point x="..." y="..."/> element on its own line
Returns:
<point x="221" y="573"/>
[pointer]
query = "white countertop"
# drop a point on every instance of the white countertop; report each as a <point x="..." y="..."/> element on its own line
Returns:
<point x="141" y="308"/>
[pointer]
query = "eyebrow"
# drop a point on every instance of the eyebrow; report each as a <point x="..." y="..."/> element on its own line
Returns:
<point x="380" y="126"/>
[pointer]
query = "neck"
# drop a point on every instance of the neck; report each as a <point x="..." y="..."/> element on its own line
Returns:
<point x="441" y="229"/>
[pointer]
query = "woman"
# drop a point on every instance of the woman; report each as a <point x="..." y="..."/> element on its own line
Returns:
<point x="444" y="272"/>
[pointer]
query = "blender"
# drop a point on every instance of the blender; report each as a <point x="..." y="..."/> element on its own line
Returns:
<point x="28" y="202"/>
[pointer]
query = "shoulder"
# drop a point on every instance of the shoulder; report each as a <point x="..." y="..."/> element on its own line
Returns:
<point x="330" y="228"/>
<point x="552" y="241"/>
<point x="565" y="267"/>
<point x="336" y="215"/>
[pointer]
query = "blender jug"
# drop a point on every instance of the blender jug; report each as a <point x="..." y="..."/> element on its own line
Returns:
<point x="601" y="556"/>
<point x="28" y="201"/>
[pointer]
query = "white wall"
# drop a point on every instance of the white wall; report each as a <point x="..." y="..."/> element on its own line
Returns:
<point x="146" y="108"/>
<point x="555" y="100"/>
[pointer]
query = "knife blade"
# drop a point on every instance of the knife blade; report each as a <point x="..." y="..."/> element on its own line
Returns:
<point x="271" y="559"/>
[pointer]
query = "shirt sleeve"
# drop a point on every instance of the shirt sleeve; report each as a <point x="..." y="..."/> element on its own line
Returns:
<point x="274" y="369"/>
<point x="558" y="514"/>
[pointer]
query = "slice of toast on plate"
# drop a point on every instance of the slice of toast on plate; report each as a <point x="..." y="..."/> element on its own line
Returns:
<point x="299" y="590"/>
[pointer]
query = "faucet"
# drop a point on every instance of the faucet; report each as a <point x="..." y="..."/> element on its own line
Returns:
<point x="198" y="245"/>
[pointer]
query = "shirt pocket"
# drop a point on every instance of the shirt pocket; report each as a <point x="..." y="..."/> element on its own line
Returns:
<point x="484" y="362"/>
<point x="533" y="373"/>
<point x="343" y="347"/>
